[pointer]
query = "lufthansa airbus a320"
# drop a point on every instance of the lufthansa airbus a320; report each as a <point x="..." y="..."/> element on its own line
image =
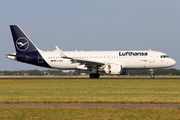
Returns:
<point x="110" y="62"/>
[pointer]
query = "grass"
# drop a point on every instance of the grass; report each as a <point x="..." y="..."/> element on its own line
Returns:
<point x="90" y="91"/>
<point x="96" y="113"/>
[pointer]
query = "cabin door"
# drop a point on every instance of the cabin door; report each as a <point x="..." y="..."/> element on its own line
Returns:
<point x="151" y="57"/>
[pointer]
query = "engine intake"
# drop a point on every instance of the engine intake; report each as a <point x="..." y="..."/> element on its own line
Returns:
<point x="114" y="69"/>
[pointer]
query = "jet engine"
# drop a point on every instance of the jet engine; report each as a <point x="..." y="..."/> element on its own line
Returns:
<point x="114" y="69"/>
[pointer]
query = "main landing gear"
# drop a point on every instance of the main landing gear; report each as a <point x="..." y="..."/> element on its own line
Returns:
<point x="94" y="75"/>
<point x="152" y="73"/>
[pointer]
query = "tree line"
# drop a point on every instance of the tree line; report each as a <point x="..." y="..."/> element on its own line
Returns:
<point x="171" y="71"/>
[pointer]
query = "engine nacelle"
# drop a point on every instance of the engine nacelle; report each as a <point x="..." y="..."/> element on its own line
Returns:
<point x="114" y="69"/>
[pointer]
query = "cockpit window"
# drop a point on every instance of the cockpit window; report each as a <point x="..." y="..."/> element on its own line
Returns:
<point x="164" y="56"/>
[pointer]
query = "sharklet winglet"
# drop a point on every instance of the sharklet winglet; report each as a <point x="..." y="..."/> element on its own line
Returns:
<point x="61" y="52"/>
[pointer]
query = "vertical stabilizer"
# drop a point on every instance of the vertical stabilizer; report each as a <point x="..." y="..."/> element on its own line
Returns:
<point x="21" y="41"/>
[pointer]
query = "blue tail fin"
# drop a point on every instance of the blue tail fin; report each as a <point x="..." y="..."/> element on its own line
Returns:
<point x="21" y="41"/>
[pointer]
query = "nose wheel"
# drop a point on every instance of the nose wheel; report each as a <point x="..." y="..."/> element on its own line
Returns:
<point x="152" y="76"/>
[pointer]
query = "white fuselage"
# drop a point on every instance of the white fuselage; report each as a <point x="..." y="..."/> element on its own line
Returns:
<point x="152" y="60"/>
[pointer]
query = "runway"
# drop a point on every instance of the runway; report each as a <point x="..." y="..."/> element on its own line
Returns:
<point x="80" y="78"/>
<point x="96" y="105"/>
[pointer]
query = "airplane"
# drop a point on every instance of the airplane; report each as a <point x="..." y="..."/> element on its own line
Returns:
<point x="110" y="62"/>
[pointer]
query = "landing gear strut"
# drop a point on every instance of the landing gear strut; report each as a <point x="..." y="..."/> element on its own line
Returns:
<point x="152" y="73"/>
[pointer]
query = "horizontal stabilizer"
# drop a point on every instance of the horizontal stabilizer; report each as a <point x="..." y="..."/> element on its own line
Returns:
<point x="12" y="56"/>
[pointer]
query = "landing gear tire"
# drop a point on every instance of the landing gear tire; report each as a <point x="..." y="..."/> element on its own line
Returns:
<point x="92" y="75"/>
<point x="152" y="76"/>
<point x="97" y="75"/>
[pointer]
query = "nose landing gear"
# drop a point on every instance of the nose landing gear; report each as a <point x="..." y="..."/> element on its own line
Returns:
<point x="152" y="74"/>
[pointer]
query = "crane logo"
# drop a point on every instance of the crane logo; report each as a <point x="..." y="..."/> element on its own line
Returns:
<point x="22" y="44"/>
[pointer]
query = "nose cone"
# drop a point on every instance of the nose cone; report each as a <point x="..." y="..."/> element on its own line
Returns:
<point x="172" y="62"/>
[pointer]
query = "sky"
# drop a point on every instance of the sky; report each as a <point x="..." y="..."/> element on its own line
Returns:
<point x="91" y="25"/>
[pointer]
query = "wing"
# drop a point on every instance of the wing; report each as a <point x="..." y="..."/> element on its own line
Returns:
<point x="87" y="63"/>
